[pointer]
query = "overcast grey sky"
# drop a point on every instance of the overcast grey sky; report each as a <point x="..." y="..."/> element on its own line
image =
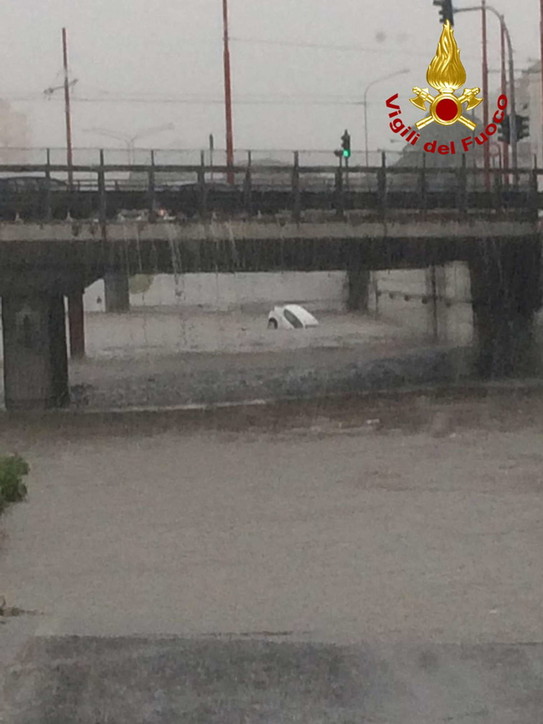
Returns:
<point x="123" y="50"/>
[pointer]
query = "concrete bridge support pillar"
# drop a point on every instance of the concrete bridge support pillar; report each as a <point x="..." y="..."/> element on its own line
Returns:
<point x="117" y="292"/>
<point x="438" y="313"/>
<point x="505" y="286"/>
<point x="358" y="289"/>
<point x="76" y="320"/>
<point x="35" y="356"/>
<point x="358" y="280"/>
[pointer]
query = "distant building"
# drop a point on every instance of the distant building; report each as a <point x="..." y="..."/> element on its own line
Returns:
<point x="529" y="103"/>
<point x="14" y="135"/>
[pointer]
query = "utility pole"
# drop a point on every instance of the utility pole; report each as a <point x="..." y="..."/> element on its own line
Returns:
<point x="541" y="34"/>
<point x="67" y="110"/>
<point x="504" y="92"/>
<point x="211" y="149"/>
<point x="512" y="98"/>
<point x="486" y="149"/>
<point x="76" y="315"/>
<point x="228" y="97"/>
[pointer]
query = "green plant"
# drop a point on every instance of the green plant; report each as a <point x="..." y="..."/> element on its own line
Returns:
<point x="12" y="471"/>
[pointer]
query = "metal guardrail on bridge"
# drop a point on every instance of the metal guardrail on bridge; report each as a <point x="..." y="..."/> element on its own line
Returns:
<point x="101" y="191"/>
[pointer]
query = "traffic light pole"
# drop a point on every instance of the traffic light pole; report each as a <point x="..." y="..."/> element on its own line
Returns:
<point x="512" y="99"/>
<point x="541" y="34"/>
<point x="486" y="148"/>
<point x="514" y="135"/>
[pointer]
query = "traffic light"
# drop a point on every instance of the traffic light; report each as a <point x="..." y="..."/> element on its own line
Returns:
<point x="346" y="144"/>
<point x="504" y="130"/>
<point x="523" y="127"/>
<point x="446" y="11"/>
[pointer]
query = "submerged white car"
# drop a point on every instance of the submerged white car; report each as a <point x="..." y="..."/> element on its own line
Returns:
<point x="290" y="316"/>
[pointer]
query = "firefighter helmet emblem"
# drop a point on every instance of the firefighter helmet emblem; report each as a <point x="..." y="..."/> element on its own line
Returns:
<point x="446" y="74"/>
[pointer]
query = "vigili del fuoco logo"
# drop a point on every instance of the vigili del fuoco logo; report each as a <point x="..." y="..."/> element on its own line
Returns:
<point x="447" y="75"/>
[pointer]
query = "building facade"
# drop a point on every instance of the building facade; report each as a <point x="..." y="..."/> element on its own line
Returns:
<point x="14" y="135"/>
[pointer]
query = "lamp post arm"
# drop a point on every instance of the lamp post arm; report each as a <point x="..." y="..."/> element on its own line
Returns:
<point x="365" y="103"/>
<point x="151" y="131"/>
<point x="380" y="80"/>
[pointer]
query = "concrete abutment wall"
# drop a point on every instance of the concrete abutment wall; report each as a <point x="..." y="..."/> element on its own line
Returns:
<point x="490" y="302"/>
<point x="433" y="302"/>
<point x="506" y="293"/>
<point x="117" y="291"/>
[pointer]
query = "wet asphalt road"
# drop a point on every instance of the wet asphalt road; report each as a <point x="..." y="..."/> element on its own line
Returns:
<point x="256" y="680"/>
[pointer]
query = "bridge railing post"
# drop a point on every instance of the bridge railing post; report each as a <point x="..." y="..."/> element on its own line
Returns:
<point x="296" y="198"/>
<point x="202" y="187"/>
<point x="339" y="196"/>
<point x="151" y="190"/>
<point x="48" y="210"/>
<point x="423" y="187"/>
<point x="102" y="196"/>
<point x="462" y="187"/>
<point x="533" y="201"/>
<point x="382" y="189"/>
<point x="497" y="194"/>
<point x="248" y="186"/>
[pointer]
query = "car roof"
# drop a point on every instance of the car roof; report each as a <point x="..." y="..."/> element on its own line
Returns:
<point x="301" y="312"/>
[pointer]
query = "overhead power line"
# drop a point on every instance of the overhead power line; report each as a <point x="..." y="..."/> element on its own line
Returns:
<point x="354" y="47"/>
<point x="344" y="48"/>
<point x="292" y="100"/>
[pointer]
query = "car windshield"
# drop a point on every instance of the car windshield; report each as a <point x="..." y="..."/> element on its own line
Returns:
<point x="292" y="318"/>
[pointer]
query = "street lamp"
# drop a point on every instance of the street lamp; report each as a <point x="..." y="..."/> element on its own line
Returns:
<point x="129" y="141"/>
<point x="378" y="80"/>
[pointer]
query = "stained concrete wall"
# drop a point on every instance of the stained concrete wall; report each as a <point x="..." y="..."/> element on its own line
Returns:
<point x="434" y="301"/>
<point x="319" y="290"/>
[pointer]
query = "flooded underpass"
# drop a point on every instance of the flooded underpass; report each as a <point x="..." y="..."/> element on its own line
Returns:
<point x="359" y="559"/>
<point x="205" y="339"/>
<point x="164" y="357"/>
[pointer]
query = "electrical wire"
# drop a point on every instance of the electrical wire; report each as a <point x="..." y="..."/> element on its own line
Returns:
<point x="355" y="47"/>
<point x="293" y="100"/>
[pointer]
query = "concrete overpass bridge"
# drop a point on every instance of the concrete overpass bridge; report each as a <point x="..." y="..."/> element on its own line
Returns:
<point x="55" y="239"/>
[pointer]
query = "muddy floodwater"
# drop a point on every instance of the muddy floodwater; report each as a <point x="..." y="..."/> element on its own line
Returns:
<point x="167" y="357"/>
<point x="411" y="520"/>
<point x="418" y="518"/>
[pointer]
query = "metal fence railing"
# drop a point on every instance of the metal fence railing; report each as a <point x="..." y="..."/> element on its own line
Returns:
<point x="131" y="156"/>
<point x="101" y="191"/>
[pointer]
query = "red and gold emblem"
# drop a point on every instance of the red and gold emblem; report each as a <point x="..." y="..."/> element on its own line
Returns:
<point x="446" y="74"/>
